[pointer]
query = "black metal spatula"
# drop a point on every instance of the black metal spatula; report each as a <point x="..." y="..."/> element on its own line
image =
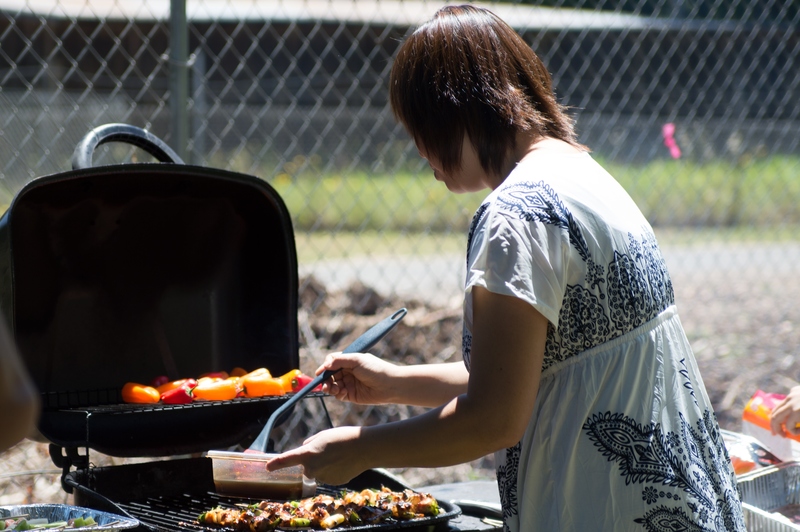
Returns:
<point x="360" y="345"/>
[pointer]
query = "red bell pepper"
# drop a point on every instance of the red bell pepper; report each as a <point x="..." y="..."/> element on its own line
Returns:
<point x="189" y="383"/>
<point x="178" y="396"/>
<point x="301" y="380"/>
<point x="158" y="381"/>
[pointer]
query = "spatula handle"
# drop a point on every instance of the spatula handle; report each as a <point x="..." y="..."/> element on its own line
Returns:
<point x="360" y="345"/>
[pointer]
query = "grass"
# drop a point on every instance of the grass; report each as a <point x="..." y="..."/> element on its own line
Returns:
<point x="404" y="202"/>
<point x="688" y="203"/>
<point x="751" y="200"/>
<point x="408" y="212"/>
<point x="749" y="192"/>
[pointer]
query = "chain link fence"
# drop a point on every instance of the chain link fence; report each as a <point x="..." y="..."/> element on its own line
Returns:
<point x="694" y="105"/>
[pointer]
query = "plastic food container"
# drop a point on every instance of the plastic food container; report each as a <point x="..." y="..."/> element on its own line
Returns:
<point x="246" y="475"/>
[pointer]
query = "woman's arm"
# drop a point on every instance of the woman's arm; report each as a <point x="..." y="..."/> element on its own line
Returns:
<point x="506" y="359"/>
<point x="19" y="401"/>
<point x="432" y="385"/>
<point x="366" y="379"/>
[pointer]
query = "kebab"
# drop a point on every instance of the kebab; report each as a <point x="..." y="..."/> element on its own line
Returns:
<point x="351" y="508"/>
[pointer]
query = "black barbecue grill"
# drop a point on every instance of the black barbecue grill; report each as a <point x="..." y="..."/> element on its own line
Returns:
<point x="170" y="495"/>
<point x="124" y="272"/>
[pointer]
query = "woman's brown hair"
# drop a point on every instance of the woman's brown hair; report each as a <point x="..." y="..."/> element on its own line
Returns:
<point x="466" y="72"/>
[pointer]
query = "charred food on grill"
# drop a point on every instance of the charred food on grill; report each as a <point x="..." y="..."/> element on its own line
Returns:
<point x="352" y="508"/>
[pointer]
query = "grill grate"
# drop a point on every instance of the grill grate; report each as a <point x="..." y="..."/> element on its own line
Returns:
<point x="178" y="513"/>
<point x="173" y="513"/>
<point x="109" y="401"/>
<point x="169" y="495"/>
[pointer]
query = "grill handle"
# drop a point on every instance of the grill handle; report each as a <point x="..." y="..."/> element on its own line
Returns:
<point x="360" y="345"/>
<point x="82" y="156"/>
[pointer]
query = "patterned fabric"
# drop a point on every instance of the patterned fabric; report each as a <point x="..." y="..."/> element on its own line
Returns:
<point x="623" y="436"/>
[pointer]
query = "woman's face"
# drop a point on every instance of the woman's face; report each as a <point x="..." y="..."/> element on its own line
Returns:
<point x="470" y="177"/>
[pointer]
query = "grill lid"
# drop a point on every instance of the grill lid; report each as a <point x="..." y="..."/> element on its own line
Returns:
<point x="126" y="272"/>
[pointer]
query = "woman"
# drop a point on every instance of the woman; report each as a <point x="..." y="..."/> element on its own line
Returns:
<point x="19" y="400"/>
<point x="577" y="372"/>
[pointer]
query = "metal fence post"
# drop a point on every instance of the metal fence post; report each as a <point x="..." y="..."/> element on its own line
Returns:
<point x="178" y="77"/>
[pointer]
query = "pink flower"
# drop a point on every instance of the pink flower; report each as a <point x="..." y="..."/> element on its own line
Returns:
<point x="668" y="132"/>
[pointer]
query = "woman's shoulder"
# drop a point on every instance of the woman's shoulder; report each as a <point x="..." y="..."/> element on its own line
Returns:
<point x="565" y="188"/>
<point x="547" y="179"/>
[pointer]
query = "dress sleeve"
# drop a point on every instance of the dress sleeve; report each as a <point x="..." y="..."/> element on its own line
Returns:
<point x="519" y="258"/>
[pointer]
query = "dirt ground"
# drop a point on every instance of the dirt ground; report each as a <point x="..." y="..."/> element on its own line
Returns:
<point x="745" y="333"/>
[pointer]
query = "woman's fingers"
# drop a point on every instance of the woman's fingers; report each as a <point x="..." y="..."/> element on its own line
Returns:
<point x="283" y="460"/>
<point x="340" y="361"/>
<point x="786" y="414"/>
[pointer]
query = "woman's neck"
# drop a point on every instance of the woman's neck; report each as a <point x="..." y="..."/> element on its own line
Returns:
<point x="529" y="144"/>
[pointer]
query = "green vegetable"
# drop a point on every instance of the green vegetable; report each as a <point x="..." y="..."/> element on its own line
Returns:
<point x="23" y="525"/>
<point x="297" y="522"/>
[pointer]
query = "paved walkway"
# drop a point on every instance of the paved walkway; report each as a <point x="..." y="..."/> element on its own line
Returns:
<point x="439" y="278"/>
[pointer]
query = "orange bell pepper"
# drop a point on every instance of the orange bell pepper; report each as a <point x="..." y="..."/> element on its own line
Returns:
<point x="261" y="385"/>
<point x="216" y="390"/>
<point x="134" y="392"/>
<point x="258" y="371"/>
<point x="287" y="378"/>
<point x="215" y="374"/>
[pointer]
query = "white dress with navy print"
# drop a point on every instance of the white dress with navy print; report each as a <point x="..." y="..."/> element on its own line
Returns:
<point x="622" y="436"/>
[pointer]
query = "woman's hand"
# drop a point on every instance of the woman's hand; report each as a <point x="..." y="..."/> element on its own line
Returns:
<point x="786" y="416"/>
<point x="361" y="378"/>
<point x="366" y="379"/>
<point x="329" y="456"/>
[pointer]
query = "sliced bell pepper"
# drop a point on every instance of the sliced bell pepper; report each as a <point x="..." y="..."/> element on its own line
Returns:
<point x="287" y="378"/>
<point x="258" y="371"/>
<point x="178" y="396"/>
<point x="216" y="390"/>
<point x="215" y="374"/>
<point x="134" y="392"/>
<point x="261" y="385"/>
<point x="238" y="372"/>
<point x="300" y="382"/>
<point x="158" y="381"/>
<point x="164" y="388"/>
